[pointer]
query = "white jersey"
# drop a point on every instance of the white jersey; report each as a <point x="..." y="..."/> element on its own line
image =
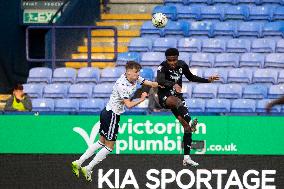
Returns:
<point x="122" y="89"/>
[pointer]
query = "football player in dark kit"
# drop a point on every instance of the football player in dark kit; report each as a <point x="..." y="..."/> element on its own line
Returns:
<point x="169" y="75"/>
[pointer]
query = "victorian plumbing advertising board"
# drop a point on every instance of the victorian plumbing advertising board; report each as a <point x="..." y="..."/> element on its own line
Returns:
<point x="61" y="134"/>
<point x="239" y="152"/>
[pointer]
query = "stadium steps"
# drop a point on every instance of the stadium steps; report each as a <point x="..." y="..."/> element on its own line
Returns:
<point x="98" y="55"/>
<point x="120" y="33"/>
<point x="127" y="17"/>
<point x="107" y="49"/>
<point x="78" y="65"/>
<point x="146" y="16"/>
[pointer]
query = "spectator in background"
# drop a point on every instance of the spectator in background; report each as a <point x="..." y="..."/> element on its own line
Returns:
<point x="106" y="9"/>
<point x="19" y="101"/>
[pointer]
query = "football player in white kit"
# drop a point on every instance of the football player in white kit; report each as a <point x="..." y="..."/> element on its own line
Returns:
<point x="122" y="91"/>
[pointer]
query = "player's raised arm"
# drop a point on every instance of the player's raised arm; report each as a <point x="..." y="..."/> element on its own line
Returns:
<point x="151" y="83"/>
<point x="195" y="78"/>
<point x="130" y="103"/>
<point x="273" y="103"/>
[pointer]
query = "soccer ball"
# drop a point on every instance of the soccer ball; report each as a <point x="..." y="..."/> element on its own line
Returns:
<point x="159" y="20"/>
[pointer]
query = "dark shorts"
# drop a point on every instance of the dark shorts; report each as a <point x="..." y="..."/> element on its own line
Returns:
<point x="109" y="124"/>
<point x="162" y="100"/>
<point x="163" y="97"/>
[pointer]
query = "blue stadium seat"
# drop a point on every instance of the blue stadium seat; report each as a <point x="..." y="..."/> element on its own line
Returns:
<point x="198" y="1"/>
<point x="66" y="105"/>
<point x="224" y="29"/>
<point x="275" y="60"/>
<point x="225" y="1"/>
<point x="214" y="45"/>
<point x="240" y="12"/>
<point x="273" y="29"/>
<point x="80" y="91"/>
<point x="189" y="45"/>
<point x="230" y="91"/>
<point x="265" y="76"/>
<point x="281" y="76"/>
<point x="91" y="105"/>
<point x="55" y="90"/>
<point x="187" y="90"/>
<point x="226" y="60"/>
<point x="184" y="56"/>
<point x="42" y="105"/>
<point x="176" y="29"/>
<point x="147" y="73"/>
<point x="243" y="106"/>
<point x="64" y="75"/>
<point x="205" y="90"/>
<point x="250" y="29"/>
<point x="218" y="105"/>
<point x="213" y="12"/>
<point x="252" y="60"/>
<point x="275" y="91"/>
<point x="111" y="74"/>
<point x="250" y="1"/>
<point x="196" y="71"/>
<point x="238" y="46"/>
<point x="147" y="29"/>
<point x="202" y="59"/>
<point x="40" y="75"/>
<point x="140" y="44"/>
<point x="223" y="74"/>
<point x="152" y="58"/>
<point x="34" y="90"/>
<point x="278" y="13"/>
<point x="123" y="58"/>
<point x="280" y="46"/>
<point x="261" y="106"/>
<point x="255" y="91"/>
<point x="162" y="44"/>
<point x="263" y="12"/>
<point x="174" y="1"/>
<point x="240" y="75"/>
<point x="102" y="90"/>
<point x="88" y="75"/>
<point x="188" y="12"/>
<point x="272" y="1"/>
<point x="201" y="28"/>
<point x="195" y="104"/>
<point x="168" y="10"/>
<point x="263" y="45"/>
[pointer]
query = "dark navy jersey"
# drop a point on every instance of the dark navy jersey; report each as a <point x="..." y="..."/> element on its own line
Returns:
<point x="168" y="77"/>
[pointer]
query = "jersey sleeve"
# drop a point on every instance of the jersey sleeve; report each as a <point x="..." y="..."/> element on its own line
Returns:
<point x="161" y="78"/>
<point x="140" y="80"/>
<point x="122" y="91"/>
<point x="194" y="78"/>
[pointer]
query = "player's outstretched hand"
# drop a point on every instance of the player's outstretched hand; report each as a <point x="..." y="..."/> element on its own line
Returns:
<point x="177" y="88"/>
<point x="143" y="96"/>
<point x="155" y="84"/>
<point x="268" y="107"/>
<point x="213" y="78"/>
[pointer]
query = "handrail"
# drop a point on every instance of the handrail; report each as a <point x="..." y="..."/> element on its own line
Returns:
<point x="53" y="58"/>
<point x="58" y="11"/>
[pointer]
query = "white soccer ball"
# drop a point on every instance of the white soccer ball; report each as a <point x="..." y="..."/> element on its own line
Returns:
<point x="159" y="20"/>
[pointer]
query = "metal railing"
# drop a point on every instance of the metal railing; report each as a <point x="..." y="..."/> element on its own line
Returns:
<point x="53" y="58"/>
